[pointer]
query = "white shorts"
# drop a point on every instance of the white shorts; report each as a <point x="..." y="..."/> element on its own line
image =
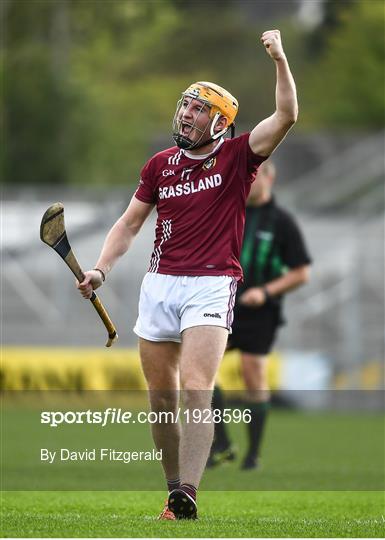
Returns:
<point x="170" y="304"/>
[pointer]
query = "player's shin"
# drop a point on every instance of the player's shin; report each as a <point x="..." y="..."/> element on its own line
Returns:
<point x="197" y="435"/>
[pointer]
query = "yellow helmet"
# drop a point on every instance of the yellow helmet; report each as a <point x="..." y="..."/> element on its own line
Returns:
<point x="219" y="99"/>
<point x="220" y="103"/>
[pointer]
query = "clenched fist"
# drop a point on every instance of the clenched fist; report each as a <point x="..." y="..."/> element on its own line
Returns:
<point x="253" y="297"/>
<point x="271" y="40"/>
<point x="92" y="280"/>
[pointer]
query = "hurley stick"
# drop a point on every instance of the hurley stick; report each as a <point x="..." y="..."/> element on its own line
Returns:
<point x="53" y="233"/>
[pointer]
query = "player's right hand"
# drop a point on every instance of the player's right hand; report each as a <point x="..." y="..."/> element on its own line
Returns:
<point x="92" y="280"/>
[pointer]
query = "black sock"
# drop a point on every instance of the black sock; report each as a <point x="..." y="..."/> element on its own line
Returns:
<point x="221" y="439"/>
<point x="173" y="484"/>
<point x="258" y="413"/>
<point x="190" y="490"/>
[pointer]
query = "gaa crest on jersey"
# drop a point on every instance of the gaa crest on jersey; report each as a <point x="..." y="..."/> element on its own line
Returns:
<point x="209" y="163"/>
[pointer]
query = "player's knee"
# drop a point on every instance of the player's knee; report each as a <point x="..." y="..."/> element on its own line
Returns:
<point x="164" y="401"/>
<point x="196" y="381"/>
<point x="193" y="398"/>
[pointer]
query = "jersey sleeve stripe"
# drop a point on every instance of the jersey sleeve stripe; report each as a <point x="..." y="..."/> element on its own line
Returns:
<point x="166" y="235"/>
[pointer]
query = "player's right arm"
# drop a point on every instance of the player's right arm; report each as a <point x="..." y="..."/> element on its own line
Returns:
<point x="117" y="242"/>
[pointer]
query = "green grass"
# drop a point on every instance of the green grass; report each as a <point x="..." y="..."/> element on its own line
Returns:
<point x="301" y="452"/>
<point x="231" y="514"/>
<point x="322" y="475"/>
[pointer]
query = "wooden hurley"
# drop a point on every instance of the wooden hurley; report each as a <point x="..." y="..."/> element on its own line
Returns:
<point x="53" y="233"/>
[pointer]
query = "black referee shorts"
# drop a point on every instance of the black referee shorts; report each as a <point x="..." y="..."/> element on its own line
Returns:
<point x="253" y="332"/>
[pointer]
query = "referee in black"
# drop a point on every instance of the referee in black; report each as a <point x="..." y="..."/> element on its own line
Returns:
<point x="275" y="261"/>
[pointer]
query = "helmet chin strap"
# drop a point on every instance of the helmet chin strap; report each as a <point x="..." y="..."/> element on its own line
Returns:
<point x="215" y="136"/>
<point x="187" y="144"/>
<point x="183" y="142"/>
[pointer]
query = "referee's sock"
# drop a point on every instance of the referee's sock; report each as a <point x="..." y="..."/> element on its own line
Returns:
<point x="258" y="413"/>
<point x="221" y="439"/>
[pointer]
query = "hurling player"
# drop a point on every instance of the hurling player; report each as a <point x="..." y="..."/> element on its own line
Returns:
<point x="199" y="189"/>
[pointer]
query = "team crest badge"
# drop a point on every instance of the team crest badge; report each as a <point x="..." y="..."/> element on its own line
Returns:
<point x="194" y="93"/>
<point x="209" y="163"/>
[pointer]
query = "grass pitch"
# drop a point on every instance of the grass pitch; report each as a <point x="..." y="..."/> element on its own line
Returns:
<point x="331" y="466"/>
<point x="221" y="514"/>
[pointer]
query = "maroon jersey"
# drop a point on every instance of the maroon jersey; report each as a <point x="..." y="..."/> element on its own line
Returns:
<point x="201" y="208"/>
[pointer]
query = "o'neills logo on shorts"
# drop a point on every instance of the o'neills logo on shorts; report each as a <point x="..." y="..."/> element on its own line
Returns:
<point x="215" y="315"/>
<point x="189" y="188"/>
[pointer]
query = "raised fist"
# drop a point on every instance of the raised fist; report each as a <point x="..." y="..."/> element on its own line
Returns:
<point x="271" y="40"/>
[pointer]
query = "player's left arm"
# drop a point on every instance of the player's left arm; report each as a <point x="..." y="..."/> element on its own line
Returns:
<point x="268" y="134"/>
<point x="292" y="279"/>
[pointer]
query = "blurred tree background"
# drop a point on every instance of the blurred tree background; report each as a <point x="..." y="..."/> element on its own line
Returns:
<point x="90" y="86"/>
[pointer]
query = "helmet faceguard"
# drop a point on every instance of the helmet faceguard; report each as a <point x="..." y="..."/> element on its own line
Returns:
<point x="180" y="124"/>
<point x="220" y="103"/>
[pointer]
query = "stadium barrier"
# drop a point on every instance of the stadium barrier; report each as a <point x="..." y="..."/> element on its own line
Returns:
<point x="31" y="368"/>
